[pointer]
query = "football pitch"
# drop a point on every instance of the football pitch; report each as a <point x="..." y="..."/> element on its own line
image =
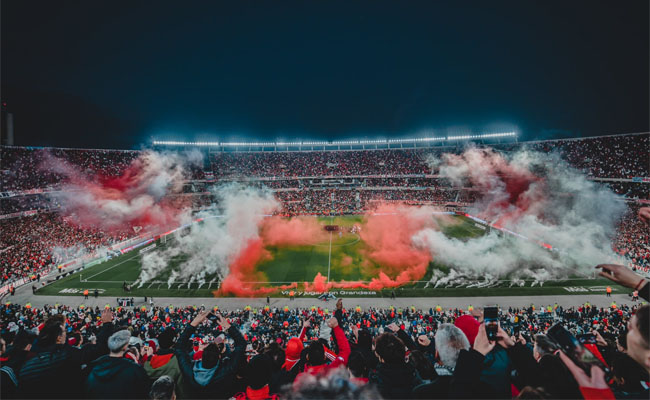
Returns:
<point x="340" y="257"/>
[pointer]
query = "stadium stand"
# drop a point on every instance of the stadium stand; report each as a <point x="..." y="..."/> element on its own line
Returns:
<point x="313" y="182"/>
<point x="165" y="352"/>
<point x="270" y="352"/>
<point x="34" y="244"/>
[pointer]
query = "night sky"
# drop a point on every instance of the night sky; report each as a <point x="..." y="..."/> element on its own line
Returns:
<point x="116" y="73"/>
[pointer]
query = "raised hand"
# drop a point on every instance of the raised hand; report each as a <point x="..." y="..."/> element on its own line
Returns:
<point x="595" y="381"/>
<point x="223" y="322"/>
<point x="619" y="274"/>
<point x="424" y="340"/>
<point x="355" y="331"/>
<point x="200" y="317"/>
<point x="504" y="340"/>
<point x="481" y="343"/>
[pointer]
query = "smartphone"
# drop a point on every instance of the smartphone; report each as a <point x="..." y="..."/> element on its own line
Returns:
<point x="587" y="338"/>
<point x="213" y="317"/>
<point x="572" y="347"/>
<point x="491" y="320"/>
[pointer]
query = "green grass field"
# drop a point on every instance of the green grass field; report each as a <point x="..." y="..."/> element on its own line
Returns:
<point x="339" y="258"/>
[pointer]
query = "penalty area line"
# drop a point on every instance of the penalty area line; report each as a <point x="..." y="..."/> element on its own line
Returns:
<point x="109" y="268"/>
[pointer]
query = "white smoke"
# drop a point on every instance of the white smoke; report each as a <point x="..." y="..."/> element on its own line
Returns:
<point x="555" y="204"/>
<point x="212" y="245"/>
<point x="135" y="196"/>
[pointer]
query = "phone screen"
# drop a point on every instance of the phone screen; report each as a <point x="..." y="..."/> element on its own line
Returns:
<point x="587" y="338"/>
<point x="572" y="347"/>
<point x="491" y="320"/>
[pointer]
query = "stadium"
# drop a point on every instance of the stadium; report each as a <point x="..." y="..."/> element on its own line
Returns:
<point x="331" y="229"/>
<point x="282" y="225"/>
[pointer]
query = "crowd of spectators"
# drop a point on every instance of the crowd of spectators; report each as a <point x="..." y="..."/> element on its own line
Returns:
<point x="355" y="201"/>
<point x="320" y="163"/>
<point x="31" y="202"/>
<point x="165" y="352"/>
<point x="30" y="168"/>
<point x="631" y="190"/>
<point x="31" y="245"/>
<point x="620" y="156"/>
<point x="633" y="240"/>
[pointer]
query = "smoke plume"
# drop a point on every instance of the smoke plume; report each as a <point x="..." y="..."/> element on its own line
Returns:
<point x="137" y="198"/>
<point x="538" y="196"/>
<point x="228" y="246"/>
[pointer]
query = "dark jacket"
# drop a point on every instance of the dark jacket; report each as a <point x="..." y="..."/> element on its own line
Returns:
<point x="549" y="373"/>
<point x="437" y="389"/>
<point x="211" y="382"/>
<point x="9" y="373"/>
<point x="496" y="372"/>
<point x="395" y="381"/>
<point x="116" y="378"/>
<point x="54" y="372"/>
<point x="466" y="381"/>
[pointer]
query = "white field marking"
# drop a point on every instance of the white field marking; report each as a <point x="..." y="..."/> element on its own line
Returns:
<point x="107" y="269"/>
<point x="329" y="259"/>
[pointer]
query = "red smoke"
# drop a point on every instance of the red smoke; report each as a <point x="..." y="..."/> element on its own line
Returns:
<point x="387" y="234"/>
<point x="511" y="190"/>
<point x="273" y="231"/>
<point x="242" y="272"/>
<point x="136" y="198"/>
<point x="293" y="232"/>
<point x="388" y="238"/>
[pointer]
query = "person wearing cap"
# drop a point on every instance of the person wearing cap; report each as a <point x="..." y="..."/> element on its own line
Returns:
<point x="115" y="377"/>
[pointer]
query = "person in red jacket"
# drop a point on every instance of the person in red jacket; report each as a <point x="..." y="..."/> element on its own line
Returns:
<point x="316" y="360"/>
<point x="295" y="347"/>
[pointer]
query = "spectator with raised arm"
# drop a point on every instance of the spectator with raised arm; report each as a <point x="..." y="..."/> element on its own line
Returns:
<point x="53" y="368"/>
<point x="214" y="373"/>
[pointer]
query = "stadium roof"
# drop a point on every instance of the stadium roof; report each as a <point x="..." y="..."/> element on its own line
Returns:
<point x="409" y="142"/>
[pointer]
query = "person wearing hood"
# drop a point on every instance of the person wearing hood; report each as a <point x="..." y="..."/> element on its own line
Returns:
<point x="213" y="375"/>
<point x="114" y="377"/>
<point x="166" y="359"/>
<point x="394" y="378"/>
<point x="294" y="347"/>
<point x="258" y="376"/>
